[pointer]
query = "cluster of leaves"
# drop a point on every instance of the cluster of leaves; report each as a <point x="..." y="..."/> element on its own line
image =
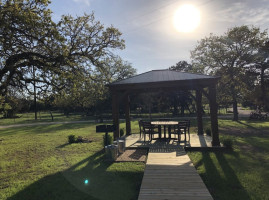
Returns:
<point x="72" y="58"/>
<point x="240" y="58"/>
<point x="4" y="107"/>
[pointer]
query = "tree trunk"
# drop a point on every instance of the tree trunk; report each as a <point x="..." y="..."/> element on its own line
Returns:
<point x="35" y="105"/>
<point x="51" y="115"/>
<point x="235" y="109"/>
<point x="263" y="90"/>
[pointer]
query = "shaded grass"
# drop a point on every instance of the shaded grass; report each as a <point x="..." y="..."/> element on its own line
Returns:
<point x="44" y="117"/>
<point x="38" y="163"/>
<point x="241" y="173"/>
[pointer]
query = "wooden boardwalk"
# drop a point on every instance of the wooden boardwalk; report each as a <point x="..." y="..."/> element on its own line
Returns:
<point x="171" y="176"/>
<point x="169" y="172"/>
<point x="193" y="141"/>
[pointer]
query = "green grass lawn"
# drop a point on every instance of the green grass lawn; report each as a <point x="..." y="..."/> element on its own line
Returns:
<point x="44" y="117"/>
<point x="38" y="163"/>
<point x="242" y="173"/>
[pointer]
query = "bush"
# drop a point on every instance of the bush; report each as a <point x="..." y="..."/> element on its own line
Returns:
<point x="79" y="139"/>
<point x="227" y="142"/>
<point x="72" y="139"/>
<point x="121" y="132"/>
<point x="208" y="131"/>
<point x="107" y="140"/>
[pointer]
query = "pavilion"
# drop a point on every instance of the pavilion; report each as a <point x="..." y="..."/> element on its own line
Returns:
<point x="166" y="80"/>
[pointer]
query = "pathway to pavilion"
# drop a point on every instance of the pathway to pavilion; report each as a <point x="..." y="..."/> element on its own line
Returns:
<point x="169" y="172"/>
<point x="170" y="175"/>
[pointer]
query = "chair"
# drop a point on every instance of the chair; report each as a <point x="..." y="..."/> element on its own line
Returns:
<point x="148" y="128"/>
<point x="181" y="128"/>
<point x="188" y="124"/>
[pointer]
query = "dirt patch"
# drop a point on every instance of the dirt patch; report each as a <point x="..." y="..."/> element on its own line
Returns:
<point x="137" y="155"/>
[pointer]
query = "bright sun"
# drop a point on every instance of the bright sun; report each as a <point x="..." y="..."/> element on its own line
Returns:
<point x="186" y="18"/>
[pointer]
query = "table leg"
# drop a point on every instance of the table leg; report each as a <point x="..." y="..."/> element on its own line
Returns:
<point x="160" y="131"/>
<point x="169" y="132"/>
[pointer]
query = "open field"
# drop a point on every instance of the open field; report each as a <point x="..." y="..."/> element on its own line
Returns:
<point x="25" y="118"/>
<point x="38" y="163"/>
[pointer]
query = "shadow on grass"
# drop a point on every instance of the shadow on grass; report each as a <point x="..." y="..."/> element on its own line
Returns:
<point x="71" y="184"/>
<point x="247" y="125"/>
<point x="222" y="183"/>
<point x="62" y="145"/>
<point x="40" y="129"/>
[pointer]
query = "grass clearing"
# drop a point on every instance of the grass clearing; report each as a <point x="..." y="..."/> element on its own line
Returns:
<point x="241" y="173"/>
<point x="38" y="163"/>
<point x="25" y="118"/>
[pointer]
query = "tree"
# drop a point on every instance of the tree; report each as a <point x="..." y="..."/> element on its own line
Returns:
<point x="228" y="56"/>
<point x="69" y="57"/>
<point x="259" y="73"/>
<point x="182" y="66"/>
<point x="181" y="98"/>
<point x="86" y="92"/>
<point x="29" y="38"/>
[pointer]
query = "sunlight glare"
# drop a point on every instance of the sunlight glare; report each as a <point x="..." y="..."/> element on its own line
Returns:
<point x="186" y="18"/>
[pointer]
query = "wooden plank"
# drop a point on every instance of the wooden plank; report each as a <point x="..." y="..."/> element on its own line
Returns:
<point x="156" y="146"/>
<point x="171" y="177"/>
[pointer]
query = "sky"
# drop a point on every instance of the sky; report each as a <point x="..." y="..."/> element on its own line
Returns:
<point x="151" y="40"/>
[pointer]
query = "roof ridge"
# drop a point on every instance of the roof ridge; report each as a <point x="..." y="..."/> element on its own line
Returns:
<point x="155" y="76"/>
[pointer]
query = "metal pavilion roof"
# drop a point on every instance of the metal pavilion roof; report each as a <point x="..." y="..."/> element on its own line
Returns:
<point x="159" y="76"/>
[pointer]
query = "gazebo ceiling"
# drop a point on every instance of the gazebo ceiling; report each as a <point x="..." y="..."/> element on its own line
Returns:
<point x="163" y="79"/>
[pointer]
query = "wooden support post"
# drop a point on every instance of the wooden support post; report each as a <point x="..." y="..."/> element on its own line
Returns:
<point x="214" y="116"/>
<point x="127" y="115"/>
<point x="199" y="112"/>
<point x="115" y="114"/>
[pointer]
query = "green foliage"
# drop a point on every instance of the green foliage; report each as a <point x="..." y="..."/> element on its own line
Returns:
<point x="182" y="66"/>
<point x="79" y="139"/>
<point x="230" y="57"/>
<point x="88" y="91"/>
<point x="71" y="58"/>
<point x="227" y="142"/>
<point x="72" y="139"/>
<point x="107" y="139"/>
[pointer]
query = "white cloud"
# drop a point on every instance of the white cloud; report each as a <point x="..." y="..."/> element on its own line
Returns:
<point x="86" y="2"/>
<point x="244" y="13"/>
